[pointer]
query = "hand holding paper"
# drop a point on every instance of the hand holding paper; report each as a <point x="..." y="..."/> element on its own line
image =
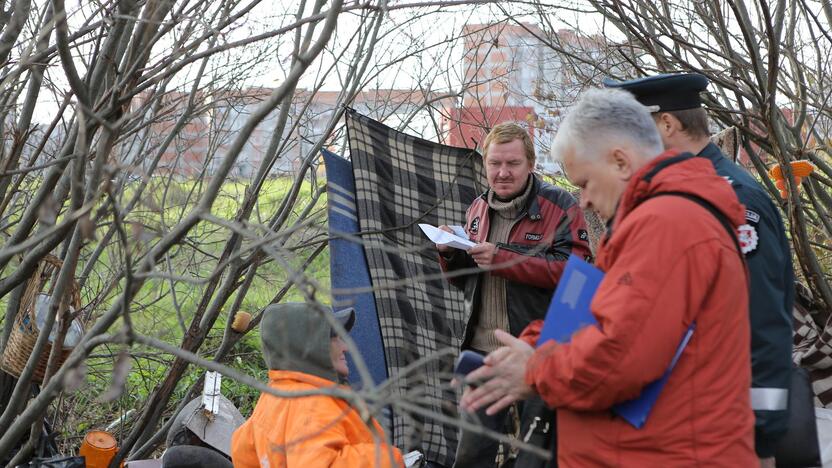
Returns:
<point x="444" y="238"/>
<point x="483" y="254"/>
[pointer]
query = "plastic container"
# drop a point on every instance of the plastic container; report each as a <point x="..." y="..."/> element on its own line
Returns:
<point x="73" y="334"/>
<point x="98" y="448"/>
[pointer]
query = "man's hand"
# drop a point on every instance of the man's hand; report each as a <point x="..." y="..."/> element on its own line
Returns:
<point x="502" y="376"/>
<point x="483" y="254"/>
<point x="444" y="249"/>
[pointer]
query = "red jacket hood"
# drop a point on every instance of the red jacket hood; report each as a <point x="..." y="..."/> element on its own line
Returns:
<point x="672" y="171"/>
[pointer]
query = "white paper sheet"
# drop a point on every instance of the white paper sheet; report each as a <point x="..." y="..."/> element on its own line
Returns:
<point x="459" y="231"/>
<point x="440" y="237"/>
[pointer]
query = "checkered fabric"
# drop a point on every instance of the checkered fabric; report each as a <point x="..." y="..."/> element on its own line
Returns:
<point x="728" y="141"/>
<point x="813" y="344"/>
<point x="400" y="181"/>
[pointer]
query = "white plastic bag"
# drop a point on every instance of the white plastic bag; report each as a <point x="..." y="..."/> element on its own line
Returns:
<point x="824" y="416"/>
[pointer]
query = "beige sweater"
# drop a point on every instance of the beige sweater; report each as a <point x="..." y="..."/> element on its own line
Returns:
<point x="492" y="312"/>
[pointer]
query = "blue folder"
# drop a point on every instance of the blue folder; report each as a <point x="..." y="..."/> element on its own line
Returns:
<point x="569" y="312"/>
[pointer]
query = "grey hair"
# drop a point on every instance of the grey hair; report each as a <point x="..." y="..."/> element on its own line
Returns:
<point x="604" y="115"/>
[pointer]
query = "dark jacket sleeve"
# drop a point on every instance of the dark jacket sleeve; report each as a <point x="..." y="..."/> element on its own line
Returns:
<point x="457" y="260"/>
<point x="772" y="298"/>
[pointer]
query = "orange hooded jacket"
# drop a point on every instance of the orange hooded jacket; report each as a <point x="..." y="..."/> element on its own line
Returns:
<point x="305" y="431"/>
<point x="308" y="432"/>
<point x="667" y="262"/>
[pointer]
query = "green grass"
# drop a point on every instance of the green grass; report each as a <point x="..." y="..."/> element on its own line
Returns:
<point x="153" y="311"/>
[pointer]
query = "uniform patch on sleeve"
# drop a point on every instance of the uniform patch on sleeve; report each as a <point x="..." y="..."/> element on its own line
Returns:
<point x="533" y="236"/>
<point x="582" y="235"/>
<point x="752" y="216"/>
<point x="747" y="235"/>
<point x="475" y="225"/>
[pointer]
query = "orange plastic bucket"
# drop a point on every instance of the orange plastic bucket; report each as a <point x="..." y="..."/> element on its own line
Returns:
<point x="98" y="448"/>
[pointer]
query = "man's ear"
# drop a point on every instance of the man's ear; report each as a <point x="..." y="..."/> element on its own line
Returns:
<point x="622" y="162"/>
<point x="667" y="124"/>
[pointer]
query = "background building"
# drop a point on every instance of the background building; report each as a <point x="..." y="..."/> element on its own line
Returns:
<point x="215" y="119"/>
<point x="516" y="72"/>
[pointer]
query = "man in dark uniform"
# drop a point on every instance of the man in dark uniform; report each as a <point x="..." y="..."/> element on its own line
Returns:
<point x="683" y="124"/>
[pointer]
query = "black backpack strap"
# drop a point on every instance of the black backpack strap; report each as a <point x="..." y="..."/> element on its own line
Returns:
<point x="714" y="211"/>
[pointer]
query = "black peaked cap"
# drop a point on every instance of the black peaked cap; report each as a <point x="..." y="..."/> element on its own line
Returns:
<point x="669" y="92"/>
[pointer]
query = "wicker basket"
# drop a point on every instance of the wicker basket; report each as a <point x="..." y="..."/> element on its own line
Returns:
<point x="25" y="332"/>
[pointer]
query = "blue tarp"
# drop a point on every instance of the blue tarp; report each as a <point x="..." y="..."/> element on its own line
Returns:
<point x="348" y="267"/>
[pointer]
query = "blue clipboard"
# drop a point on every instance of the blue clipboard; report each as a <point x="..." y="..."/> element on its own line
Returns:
<point x="569" y="312"/>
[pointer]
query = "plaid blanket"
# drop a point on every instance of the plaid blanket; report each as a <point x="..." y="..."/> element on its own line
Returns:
<point x="400" y="181"/>
<point x="813" y="344"/>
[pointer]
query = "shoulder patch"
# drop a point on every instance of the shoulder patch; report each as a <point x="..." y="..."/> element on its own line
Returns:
<point x="752" y="216"/>
<point x="582" y="234"/>
<point x="475" y="225"/>
<point x="533" y="236"/>
<point x="747" y="235"/>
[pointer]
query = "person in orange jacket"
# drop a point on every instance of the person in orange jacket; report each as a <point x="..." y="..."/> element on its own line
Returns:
<point x="671" y="259"/>
<point x="304" y="354"/>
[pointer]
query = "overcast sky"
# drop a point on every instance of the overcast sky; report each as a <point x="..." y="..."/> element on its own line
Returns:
<point x="423" y="70"/>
